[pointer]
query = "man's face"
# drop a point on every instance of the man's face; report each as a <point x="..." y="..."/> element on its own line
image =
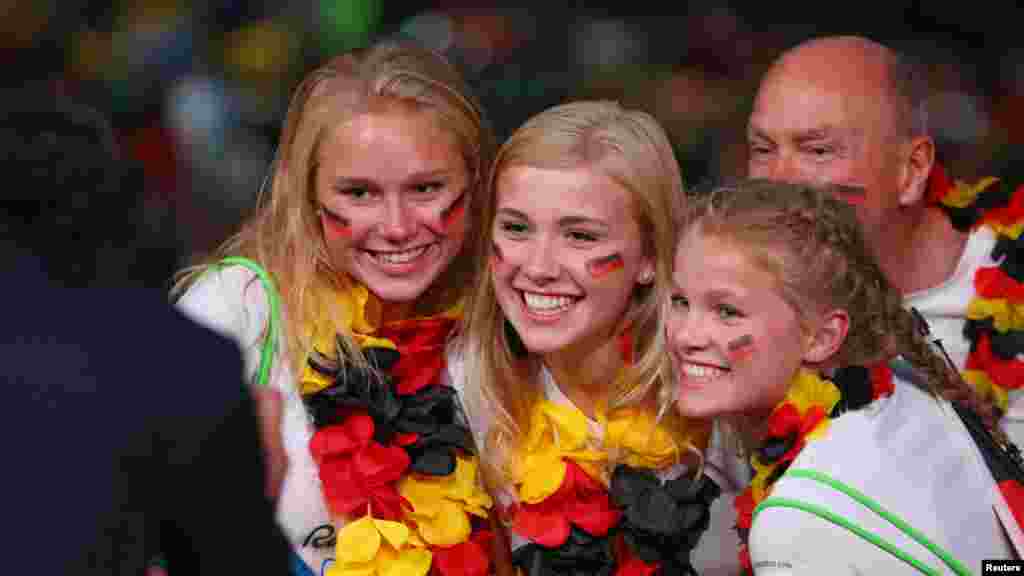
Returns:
<point x="834" y="129"/>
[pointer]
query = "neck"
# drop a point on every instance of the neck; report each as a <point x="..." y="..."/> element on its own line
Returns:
<point x="926" y="254"/>
<point x="585" y="376"/>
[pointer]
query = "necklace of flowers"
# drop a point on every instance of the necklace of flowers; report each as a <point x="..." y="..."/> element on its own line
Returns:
<point x="995" y="316"/>
<point x="579" y="519"/>
<point x="393" y="450"/>
<point x="803" y="415"/>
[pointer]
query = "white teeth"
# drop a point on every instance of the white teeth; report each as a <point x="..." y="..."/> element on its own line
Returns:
<point x="398" y="257"/>
<point x="547" y="304"/>
<point x="701" y="372"/>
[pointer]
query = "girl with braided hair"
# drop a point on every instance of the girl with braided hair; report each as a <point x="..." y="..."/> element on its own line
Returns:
<point x="782" y="328"/>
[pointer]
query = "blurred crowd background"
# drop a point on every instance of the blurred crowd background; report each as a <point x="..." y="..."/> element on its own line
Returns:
<point x="197" y="90"/>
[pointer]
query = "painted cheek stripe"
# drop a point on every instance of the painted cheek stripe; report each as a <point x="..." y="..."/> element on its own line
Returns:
<point x="335" y="224"/>
<point x="741" y="348"/>
<point x="600" y="267"/>
<point x="454" y="212"/>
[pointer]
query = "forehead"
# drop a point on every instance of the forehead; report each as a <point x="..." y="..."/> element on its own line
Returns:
<point x="792" y="102"/>
<point x="553" y="193"/>
<point x="704" y="262"/>
<point x="395" y="141"/>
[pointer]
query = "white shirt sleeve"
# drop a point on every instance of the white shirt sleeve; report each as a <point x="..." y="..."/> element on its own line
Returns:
<point x="232" y="301"/>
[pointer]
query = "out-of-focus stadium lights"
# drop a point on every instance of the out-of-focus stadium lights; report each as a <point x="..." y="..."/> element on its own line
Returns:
<point x="347" y="24"/>
<point x="263" y="49"/>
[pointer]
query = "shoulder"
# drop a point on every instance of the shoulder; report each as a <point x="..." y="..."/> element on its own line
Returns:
<point x="228" y="299"/>
<point x="905" y="456"/>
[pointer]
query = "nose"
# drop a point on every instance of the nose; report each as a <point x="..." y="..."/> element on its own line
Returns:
<point x="399" y="225"/>
<point x="685" y="331"/>
<point x="780" y="167"/>
<point x="541" y="265"/>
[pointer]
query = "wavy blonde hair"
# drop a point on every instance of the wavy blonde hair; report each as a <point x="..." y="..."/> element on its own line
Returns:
<point x="284" y="234"/>
<point x="631" y="148"/>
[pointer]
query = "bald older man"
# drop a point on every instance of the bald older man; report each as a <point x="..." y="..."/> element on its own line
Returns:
<point x="849" y="111"/>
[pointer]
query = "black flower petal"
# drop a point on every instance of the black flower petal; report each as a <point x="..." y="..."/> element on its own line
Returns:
<point x="581" y="554"/>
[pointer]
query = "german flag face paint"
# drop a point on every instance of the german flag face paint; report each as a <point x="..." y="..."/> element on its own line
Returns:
<point x="602" y="267"/>
<point x="740" y="349"/>
<point x="335" y="225"/>
<point x="454" y="214"/>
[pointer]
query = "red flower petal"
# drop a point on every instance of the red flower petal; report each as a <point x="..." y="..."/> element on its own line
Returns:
<point x="1008" y="373"/>
<point x="421" y="344"/>
<point x="468" y="558"/>
<point x="345" y="438"/>
<point x="634" y="566"/>
<point x="405" y="439"/>
<point x="1009" y="214"/>
<point x="881" y="380"/>
<point x="938" y="184"/>
<point x="594" y="513"/>
<point x="1013" y="493"/>
<point x="784" y="420"/>
<point x="994" y="283"/>
<point x="542" y="523"/>
<point x="378" y="465"/>
<point x="744" y="504"/>
<point x="387" y="504"/>
<point x="342" y="488"/>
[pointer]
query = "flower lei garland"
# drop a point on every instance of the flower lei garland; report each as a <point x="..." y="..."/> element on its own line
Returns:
<point x="581" y="521"/>
<point x="803" y="415"/>
<point x="393" y="450"/>
<point x="995" y="316"/>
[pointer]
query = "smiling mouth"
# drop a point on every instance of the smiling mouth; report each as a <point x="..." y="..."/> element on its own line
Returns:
<point x="546" y="304"/>
<point x="401" y="257"/>
<point x="702" y="372"/>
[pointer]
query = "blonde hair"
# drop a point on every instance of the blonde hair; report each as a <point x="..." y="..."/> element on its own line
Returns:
<point x="632" y="149"/>
<point x="284" y="235"/>
<point x="811" y="243"/>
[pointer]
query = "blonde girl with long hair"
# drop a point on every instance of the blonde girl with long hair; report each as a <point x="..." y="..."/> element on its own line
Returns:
<point x="562" y="369"/>
<point x="352" y="270"/>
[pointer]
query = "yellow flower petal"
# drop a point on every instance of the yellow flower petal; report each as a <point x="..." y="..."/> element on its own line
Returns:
<point x="411" y="562"/>
<point x="1012" y="231"/>
<point x="313" y="381"/>
<point x="809" y="390"/>
<point x="987" y="389"/>
<point x="358" y="541"/>
<point x="568" y="424"/>
<point x="449" y="527"/>
<point x="424" y="495"/>
<point x="362" y="569"/>
<point x="646" y="444"/>
<point x="1005" y="316"/>
<point x="963" y="194"/>
<point x="396" y="533"/>
<point x="543" y="475"/>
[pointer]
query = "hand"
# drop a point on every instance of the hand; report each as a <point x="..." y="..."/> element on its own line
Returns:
<point x="270" y="408"/>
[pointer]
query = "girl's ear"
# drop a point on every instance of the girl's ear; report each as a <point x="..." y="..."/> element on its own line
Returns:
<point x="827" y="337"/>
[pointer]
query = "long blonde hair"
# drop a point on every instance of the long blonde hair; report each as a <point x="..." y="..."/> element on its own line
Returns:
<point x="284" y="234"/>
<point x="631" y="148"/>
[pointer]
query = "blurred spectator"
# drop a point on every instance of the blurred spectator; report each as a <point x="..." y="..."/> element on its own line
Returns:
<point x="117" y="449"/>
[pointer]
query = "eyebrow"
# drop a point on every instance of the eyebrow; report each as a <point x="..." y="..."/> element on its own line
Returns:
<point x="564" y="221"/>
<point x="345" y="181"/>
<point x="816" y="133"/>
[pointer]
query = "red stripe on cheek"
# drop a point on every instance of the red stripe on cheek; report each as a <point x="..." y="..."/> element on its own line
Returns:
<point x="741" y="349"/>
<point x="601" y="267"/>
<point x="335" y="226"/>
<point x="454" y="213"/>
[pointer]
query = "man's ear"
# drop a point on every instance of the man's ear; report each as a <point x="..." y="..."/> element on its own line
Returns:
<point x="827" y="337"/>
<point x="916" y="169"/>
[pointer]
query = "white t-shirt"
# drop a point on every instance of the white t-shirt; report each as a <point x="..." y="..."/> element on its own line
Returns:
<point x="911" y="454"/>
<point x="232" y="302"/>
<point x="945" y="308"/>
